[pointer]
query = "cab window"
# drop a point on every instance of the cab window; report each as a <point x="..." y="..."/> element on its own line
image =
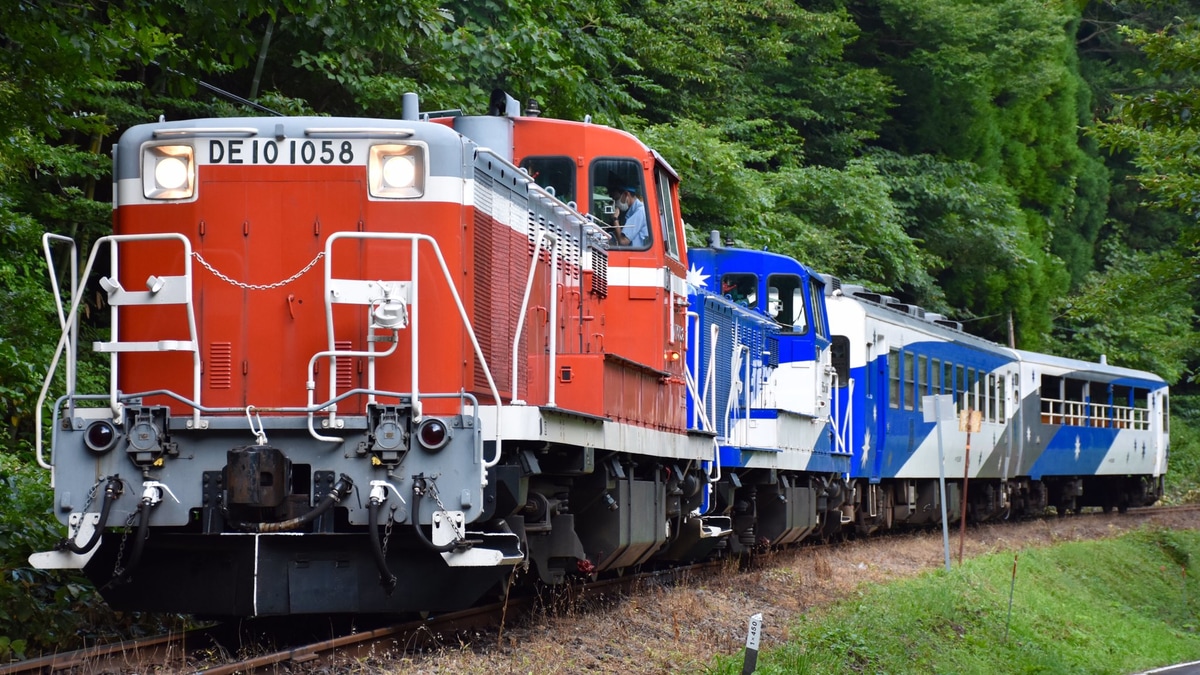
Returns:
<point x="556" y="174"/>
<point x="817" y="289"/>
<point x="618" y="202"/>
<point x="741" y="288"/>
<point x="785" y="302"/>
<point x="666" y="214"/>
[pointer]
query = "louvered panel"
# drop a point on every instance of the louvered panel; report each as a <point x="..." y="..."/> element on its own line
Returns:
<point x="220" y="365"/>
<point x="345" y="366"/>
<point x="600" y="272"/>
<point x="494" y="269"/>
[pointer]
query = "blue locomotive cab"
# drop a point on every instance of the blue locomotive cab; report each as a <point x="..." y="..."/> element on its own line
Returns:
<point x="759" y="363"/>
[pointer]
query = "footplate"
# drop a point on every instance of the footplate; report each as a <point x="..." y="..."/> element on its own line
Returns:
<point x="479" y="549"/>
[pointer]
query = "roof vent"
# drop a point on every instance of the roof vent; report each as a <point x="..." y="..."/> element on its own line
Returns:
<point x="911" y="310"/>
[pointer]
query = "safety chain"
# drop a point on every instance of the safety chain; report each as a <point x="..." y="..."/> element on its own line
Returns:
<point x="387" y="530"/>
<point x="118" y="570"/>
<point x="433" y="492"/>
<point x="256" y="287"/>
<point x="83" y="514"/>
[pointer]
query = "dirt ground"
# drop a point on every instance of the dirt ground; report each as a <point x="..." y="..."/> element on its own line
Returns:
<point x="677" y="629"/>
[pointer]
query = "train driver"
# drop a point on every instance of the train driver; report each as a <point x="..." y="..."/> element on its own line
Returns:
<point x="629" y="225"/>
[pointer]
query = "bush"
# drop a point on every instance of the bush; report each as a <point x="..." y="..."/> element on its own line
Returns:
<point x="45" y="610"/>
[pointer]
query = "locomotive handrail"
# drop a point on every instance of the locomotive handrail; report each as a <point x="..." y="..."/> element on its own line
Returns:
<point x="205" y="131"/>
<point x="414" y="315"/>
<point x="73" y="346"/>
<point x="311" y="383"/>
<point x="838" y="420"/>
<point x="67" y="334"/>
<point x="707" y="425"/>
<point x="359" y="131"/>
<point x="733" y="385"/>
<point x="553" y="318"/>
<point x="695" y="347"/>
<point x="710" y="384"/>
<point x="538" y="191"/>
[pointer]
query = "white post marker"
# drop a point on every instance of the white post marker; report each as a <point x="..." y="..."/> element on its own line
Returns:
<point x="940" y="409"/>
<point x="752" y="637"/>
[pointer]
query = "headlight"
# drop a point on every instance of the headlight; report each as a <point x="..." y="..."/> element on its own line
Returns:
<point x="168" y="172"/>
<point x="397" y="171"/>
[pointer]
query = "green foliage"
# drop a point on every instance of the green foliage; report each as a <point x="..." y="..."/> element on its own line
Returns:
<point x="1113" y="606"/>
<point x="933" y="149"/>
<point x="1182" y="483"/>
<point x="1132" y="313"/>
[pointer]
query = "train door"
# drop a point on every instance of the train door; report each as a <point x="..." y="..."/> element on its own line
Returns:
<point x="877" y="424"/>
<point x="887" y="394"/>
<point x="258" y="329"/>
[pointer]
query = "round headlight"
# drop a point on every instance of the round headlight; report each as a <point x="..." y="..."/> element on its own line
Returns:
<point x="171" y="173"/>
<point x="100" y="437"/>
<point x="399" y="171"/>
<point x="433" y="434"/>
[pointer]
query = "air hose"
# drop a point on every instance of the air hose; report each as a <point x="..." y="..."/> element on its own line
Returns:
<point x="112" y="490"/>
<point x="340" y="489"/>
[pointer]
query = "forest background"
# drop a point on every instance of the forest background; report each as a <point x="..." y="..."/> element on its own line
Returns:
<point x="992" y="160"/>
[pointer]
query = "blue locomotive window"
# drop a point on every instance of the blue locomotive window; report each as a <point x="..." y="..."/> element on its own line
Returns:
<point x="935" y="369"/>
<point x="556" y="174"/>
<point x="785" y="302"/>
<point x="741" y="288"/>
<point x="618" y="202"/>
<point x="817" y="293"/>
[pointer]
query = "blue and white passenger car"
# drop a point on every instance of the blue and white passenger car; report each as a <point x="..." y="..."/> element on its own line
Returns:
<point x="1049" y="430"/>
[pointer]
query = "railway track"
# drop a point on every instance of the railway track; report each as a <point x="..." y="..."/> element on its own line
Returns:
<point x="226" y="648"/>
<point x="221" y="649"/>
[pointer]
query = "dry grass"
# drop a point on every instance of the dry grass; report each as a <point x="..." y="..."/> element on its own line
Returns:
<point x="677" y="629"/>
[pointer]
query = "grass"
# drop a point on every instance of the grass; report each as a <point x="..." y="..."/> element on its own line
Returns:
<point x="1120" y="605"/>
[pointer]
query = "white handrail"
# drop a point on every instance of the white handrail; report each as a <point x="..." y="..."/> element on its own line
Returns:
<point x="537" y="246"/>
<point x="697" y="404"/>
<point x="63" y="339"/>
<point x="416" y="239"/>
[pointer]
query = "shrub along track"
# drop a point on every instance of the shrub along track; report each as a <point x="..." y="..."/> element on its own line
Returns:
<point x="653" y="622"/>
